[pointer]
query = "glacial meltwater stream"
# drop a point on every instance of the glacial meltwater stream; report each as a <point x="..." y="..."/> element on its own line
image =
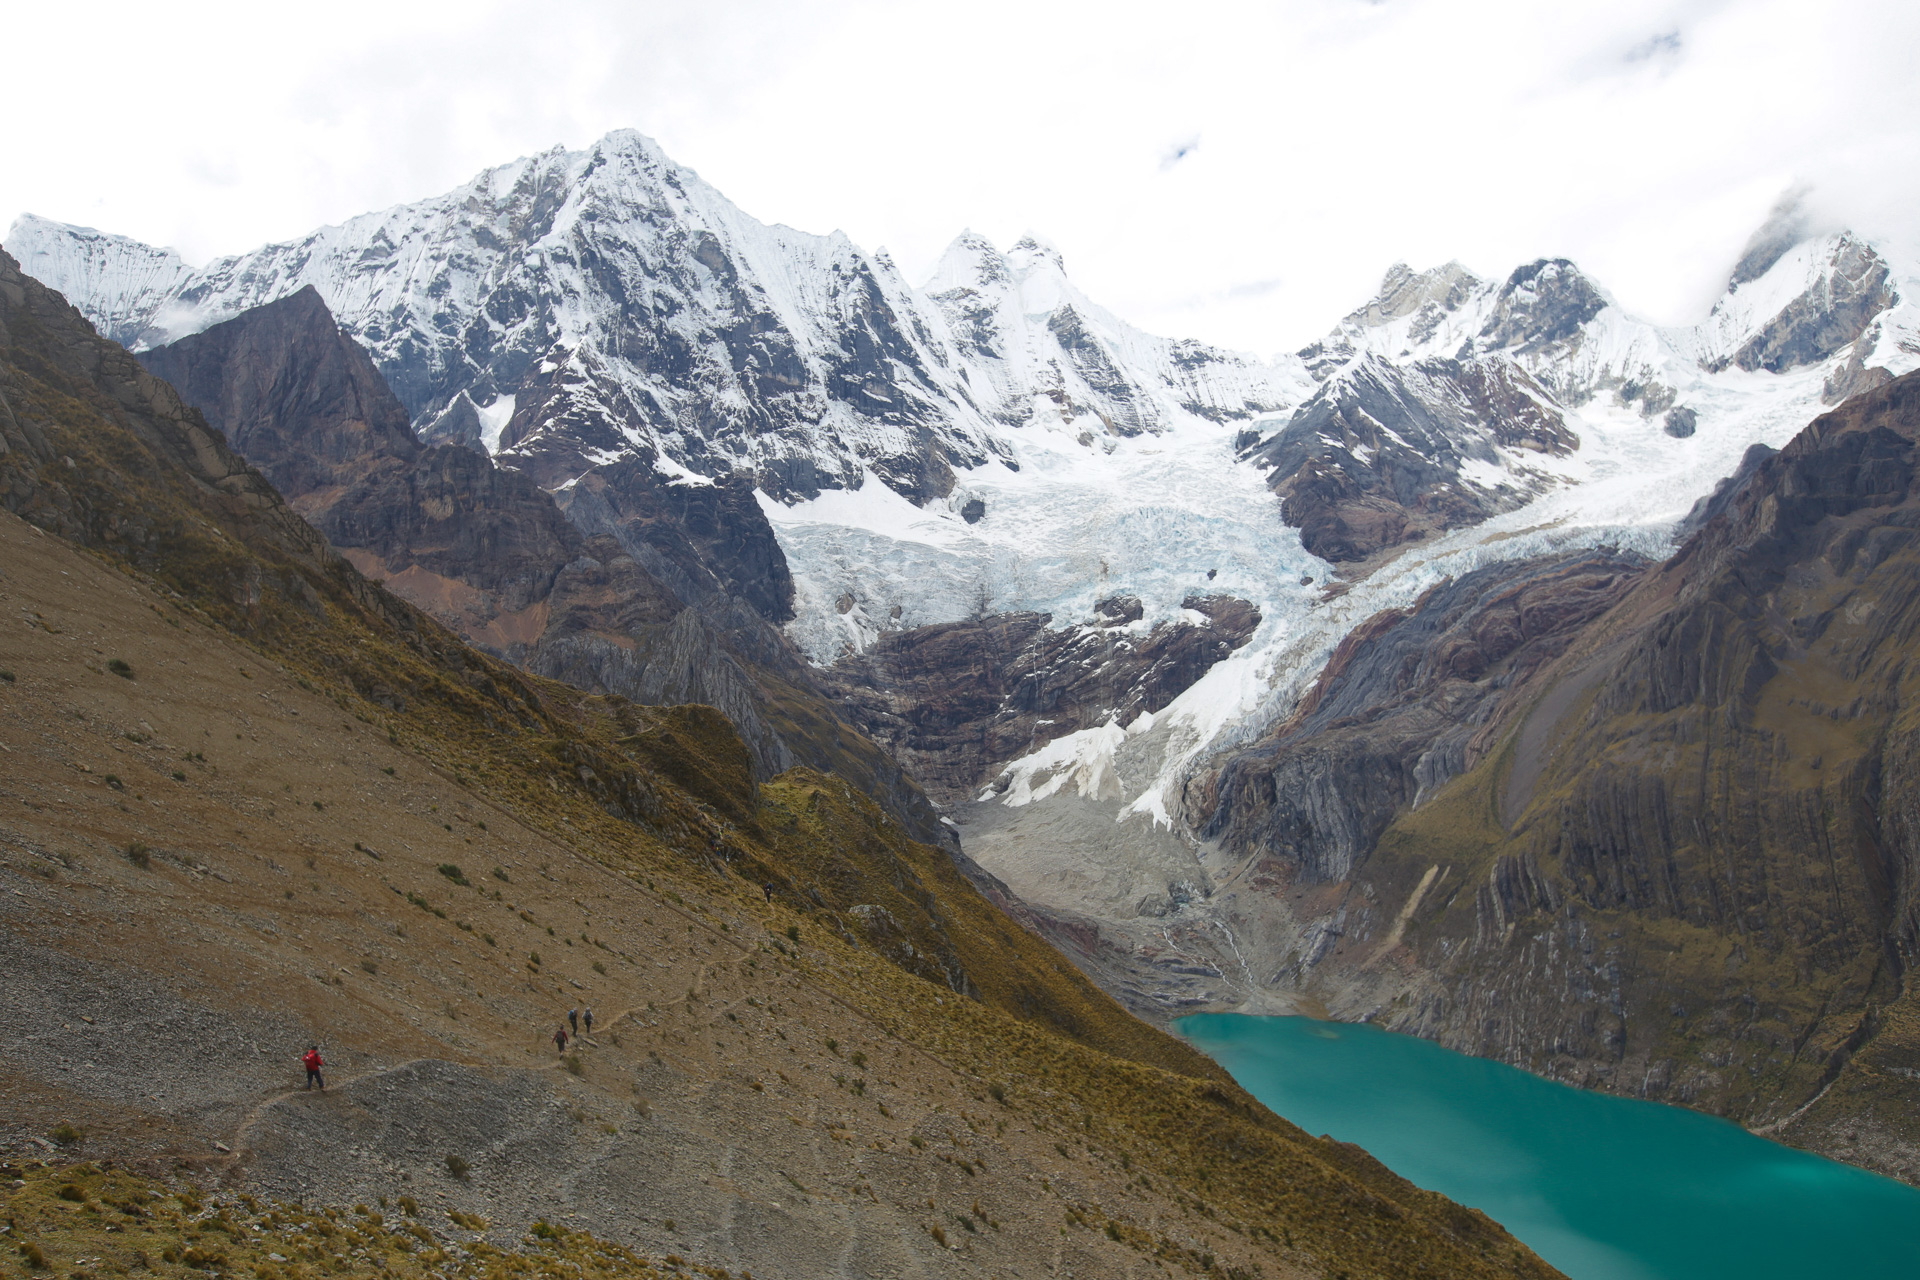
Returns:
<point x="1603" y="1188"/>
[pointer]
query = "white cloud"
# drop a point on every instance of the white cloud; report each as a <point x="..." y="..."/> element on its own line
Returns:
<point x="1643" y="138"/>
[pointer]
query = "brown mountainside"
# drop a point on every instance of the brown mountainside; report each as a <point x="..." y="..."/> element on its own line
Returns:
<point x="659" y="592"/>
<point x="1678" y="858"/>
<point x="253" y="801"/>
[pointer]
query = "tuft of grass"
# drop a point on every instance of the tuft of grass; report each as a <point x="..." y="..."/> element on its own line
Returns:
<point x="181" y="777"/>
<point x="371" y="966"/>
<point x="35" y="1257"/>
<point x="574" y="1065"/>
<point x="501" y="875"/>
<point x="6" y="676"/>
<point x="66" y="1135"/>
<point x="452" y="872"/>
<point x="599" y="968"/>
<point x="457" y="1167"/>
<point x="139" y="855"/>
<point x="120" y="668"/>
<point x="793" y="933"/>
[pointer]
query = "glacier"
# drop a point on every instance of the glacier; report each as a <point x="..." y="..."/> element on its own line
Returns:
<point x="991" y="440"/>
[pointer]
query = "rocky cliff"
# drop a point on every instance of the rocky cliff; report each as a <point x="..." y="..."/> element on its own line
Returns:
<point x="1399" y="710"/>
<point x="1382" y="455"/>
<point x="1677" y="860"/>
<point x="955" y="702"/>
<point x="632" y="584"/>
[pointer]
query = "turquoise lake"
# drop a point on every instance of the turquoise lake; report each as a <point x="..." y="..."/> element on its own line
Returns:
<point x="1603" y="1188"/>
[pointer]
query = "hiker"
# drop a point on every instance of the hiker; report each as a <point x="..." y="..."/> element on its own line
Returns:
<point x="560" y="1038"/>
<point x="589" y="1019"/>
<point x="311" y="1060"/>
<point x="767" y="889"/>
<point x="573" y="1016"/>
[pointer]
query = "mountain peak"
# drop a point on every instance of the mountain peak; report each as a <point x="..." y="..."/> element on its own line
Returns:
<point x="116" y="281"/>
<point x="1786" y="225"/>
<point x="970" y="262"/>
<point x="1404" y="291"/>
<point x="1030" y="251"/>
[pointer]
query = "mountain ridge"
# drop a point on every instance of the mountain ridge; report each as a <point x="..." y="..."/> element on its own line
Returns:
<point x="1481" y="461"/>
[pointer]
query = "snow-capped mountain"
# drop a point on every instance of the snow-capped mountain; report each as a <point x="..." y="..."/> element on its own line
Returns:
<point x="994" y="441"/>
<point x="575" y="306"/>
<point x="992" y="455"/>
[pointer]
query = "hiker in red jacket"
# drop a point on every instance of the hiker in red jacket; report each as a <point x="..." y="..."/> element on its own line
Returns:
<point x="560" y="1038"/>
<point x="313" y="1064"/>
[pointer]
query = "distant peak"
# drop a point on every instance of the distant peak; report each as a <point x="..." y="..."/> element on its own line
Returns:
<point x="31" y="230"/>
<point x="970" y="262"/>
<point x="1787" y="224"/>
<point x="1404" y="291"/>
<point x="625" y="140"/>
<point x="1031" y="248"/>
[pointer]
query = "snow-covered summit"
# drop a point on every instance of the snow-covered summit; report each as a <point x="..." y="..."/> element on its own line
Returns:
<point x="120" y="284"/>
<point x="608" y="301"/>
<point x="994" y="439"/>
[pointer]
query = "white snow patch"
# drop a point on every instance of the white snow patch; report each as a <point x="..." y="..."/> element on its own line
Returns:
<point x="493" y="420"/>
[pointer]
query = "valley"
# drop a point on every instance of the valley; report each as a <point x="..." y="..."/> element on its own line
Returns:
<point x="253" y="801"/>
<point x="957" y="672"/>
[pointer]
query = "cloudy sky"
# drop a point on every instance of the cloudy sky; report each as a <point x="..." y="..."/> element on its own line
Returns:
<point x="1231" y="171"/>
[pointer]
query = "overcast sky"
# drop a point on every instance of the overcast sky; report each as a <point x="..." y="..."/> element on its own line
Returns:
<point x="1236" y="172"/>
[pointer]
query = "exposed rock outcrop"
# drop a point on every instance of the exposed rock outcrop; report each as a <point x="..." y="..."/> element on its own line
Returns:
<point x="1678" y="858"/>
<point x="1383" y="455"/>
<point x="303" y="402"/>
<point x="1545" y="302"/>
<point x="1836" y="309"/>
<point x="1397" y="711"/>
<point x="953" y="702"/>
<point x="634" y="584"/>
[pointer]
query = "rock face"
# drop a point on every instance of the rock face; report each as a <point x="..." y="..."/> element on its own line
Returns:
<point x="1382" y="454"/>
<point x="955" y="701"/>
<point x="1826" y="319"/>
<point x="659" y="591"/>
<point x="302" y="402"/>
<point x="51" y="357"/>
<point x="1677" y="858"/>
<point x="1397" y="711"/>
<point x="574" y="306"/>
